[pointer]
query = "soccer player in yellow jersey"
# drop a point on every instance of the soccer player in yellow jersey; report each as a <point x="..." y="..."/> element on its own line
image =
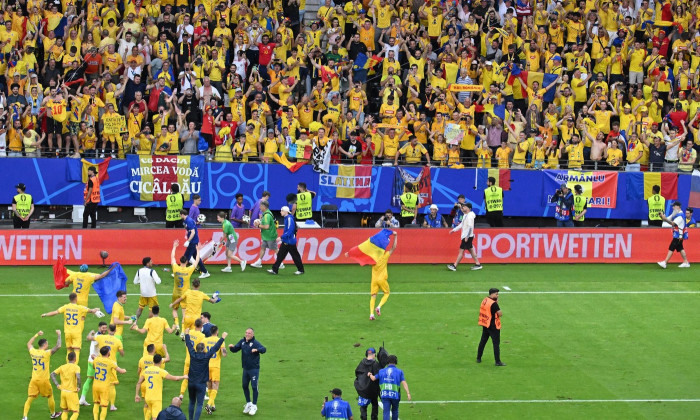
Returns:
<point x="118" y="317"/>
<point x="214" y="367"/>
<point x="39" y="384"/>
<point x="82" y="281"/>
<point x="181" y="274"/>
<point x="193" y="299"/>
<point x="73" y="323"/>
<point x="152" y="377"/>
<point x="115" y="345"/>
<point x="380" y="277"/>
<point x="105" y="373"/>
<point x="153" y="328"/>
<point x="69" y="386"/>
<point x="196" y="337"/>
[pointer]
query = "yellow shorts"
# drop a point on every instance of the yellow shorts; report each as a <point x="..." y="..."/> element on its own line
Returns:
<point x="214" y="374"/>
<point x="379" y="284"/>
<point x="154" y="406"/>
<point x="40" y="387"/>
<point x="69" y="401"/>
<point x="100" y="394"/>
<point x="179" y="305"/>
<point x="148" y="301"/>
<point x="74" y="340"/>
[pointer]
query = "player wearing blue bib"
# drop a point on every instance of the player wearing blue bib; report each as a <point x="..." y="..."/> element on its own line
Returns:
<point x="389" y="390"/>
<point x="336" y="409"/>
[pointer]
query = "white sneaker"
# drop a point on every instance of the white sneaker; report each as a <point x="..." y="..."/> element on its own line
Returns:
<point x="477" y="267"/>
<point x="253" y="409"/>
<point x="24" y="418"/>
<point x="684" y="265"/>
<point x="298" y="273"/>
<point x="226" y="269"/>
<point x="84" y="402"/>
<point x="102" y="156"/>
<point x="113" y="408"/>
<point x="205" y="275"/>
<point x="206" y="397"/>
<point x="662" y="264"/>
<point x="256" y="264"/>
<point x="243" y="264"/>
<point x="451" y="267"/>
<point x="246" y="409"/>
<point x="281" y="266"/>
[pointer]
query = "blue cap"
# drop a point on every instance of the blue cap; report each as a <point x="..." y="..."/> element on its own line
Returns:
<point x="371" y="350"/>
<point x="557" y="57"/>
<point x="83" y="268"/>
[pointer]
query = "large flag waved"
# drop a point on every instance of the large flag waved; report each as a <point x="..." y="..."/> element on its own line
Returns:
<point x="369" y="251"/>
<point x="108" y="287"/>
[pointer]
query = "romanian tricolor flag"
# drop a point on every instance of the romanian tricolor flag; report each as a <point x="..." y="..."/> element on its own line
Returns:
<point x="371" y="250"/>
<point x="530" y="77"/>
<point x="78" y="170"/>
<point x="300" y="152"/>
<point x="599" y="187"/>
<point x="694" y="199"/>
<point x="346" y="181"/>
<point x="639" y="184"/>
<point x="280" y="157"/>
<point x="502" y="178"/>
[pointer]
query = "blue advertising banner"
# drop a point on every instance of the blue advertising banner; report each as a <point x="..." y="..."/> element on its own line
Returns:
<point x="48" y="183"/>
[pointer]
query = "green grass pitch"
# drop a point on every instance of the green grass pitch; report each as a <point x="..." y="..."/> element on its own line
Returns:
<point x="581" y="341"/>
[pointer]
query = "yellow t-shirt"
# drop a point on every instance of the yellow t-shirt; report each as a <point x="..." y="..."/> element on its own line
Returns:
<point x="502" y="155"/>
<point x="68" y="374"/>
<point x="74" y="318"/>
<point x="153" y="377"/>
<point x="379" y="271"/>
<point x="182" y="279"/>
<point x="194" y="299"/>
<point x="81" y="285"/>
<point x="413" y="154"/>
<point x="155" y="326"/>
<point x="575" y="155"/>
<point x="114" y="344"/>
<point x="215" y="361"/>
<point x="117" y="313"/>
<point x="391" y="146"/>
<point x="105" y="371"/>
<point x="196" y="337"/>
<point x="483" y="157"/>
<point x="40" y="363"/>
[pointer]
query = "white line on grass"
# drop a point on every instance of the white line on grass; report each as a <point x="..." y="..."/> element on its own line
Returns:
<point x="553" y="401"/>
<point x="545" y="292"/>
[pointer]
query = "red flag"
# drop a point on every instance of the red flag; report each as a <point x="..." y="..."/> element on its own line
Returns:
<point x="669" y="185"/>
<point x="60" y="273"/>
<point x="425" y="190"/>
<point x="504" y="179"/>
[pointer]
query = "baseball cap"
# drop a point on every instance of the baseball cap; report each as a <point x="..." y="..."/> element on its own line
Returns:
<point x="285" y="208"/>
<point x="336" y="391"/>
<point x="21" y="186"/>
<point x="578" y="188"/>
<point x="433" y="206"/>
<point x="557" y="57"/>
<point x="488" y="63"/>
<point x="269" y="130"/>
<point x="643" y="109"/>
<point x="371" y="350"/>
<point x="563" y="185"/>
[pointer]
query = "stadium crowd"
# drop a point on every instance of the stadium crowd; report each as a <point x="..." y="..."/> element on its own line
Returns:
<point x="375" y="81"/>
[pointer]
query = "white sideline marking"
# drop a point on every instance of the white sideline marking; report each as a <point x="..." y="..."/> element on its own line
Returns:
<point x="661" y="400"/>
<point x="546" y="292"/>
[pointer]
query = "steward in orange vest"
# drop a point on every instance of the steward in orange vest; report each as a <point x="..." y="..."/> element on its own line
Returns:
<point x="91" y="197"/>
<point x="490" y="321"/>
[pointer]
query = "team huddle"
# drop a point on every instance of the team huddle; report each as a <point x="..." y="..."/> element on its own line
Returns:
<point x="202" y="364"/>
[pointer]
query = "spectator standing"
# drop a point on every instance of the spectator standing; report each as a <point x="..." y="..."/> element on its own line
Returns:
<point x="390" y="378"/>
<point x="174" y="202"/>
<point x="250" y="349"/>
<point x="490" y="320"/>
<point x="289" y="244"/>
<point x="493" y="197"/>
<point x="433" y="219"/>
<point x="564" y="205"/>
<point x="387" y="221"/>
<point x="238" y="211"/>
<point x="657" y="205"/>
<point x="22" y="207"/>
<point x="336" y="409"/>
<point x="367" y="389"/>
<point x="198" y="374"/>
<point x="91" y="197"/>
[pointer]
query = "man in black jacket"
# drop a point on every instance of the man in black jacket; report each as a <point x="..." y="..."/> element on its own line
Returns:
<point x="199" y="373"/>
<point x="250" y="349"/>
<point x="367" y="389"/>
<point x="173" y="412"/>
